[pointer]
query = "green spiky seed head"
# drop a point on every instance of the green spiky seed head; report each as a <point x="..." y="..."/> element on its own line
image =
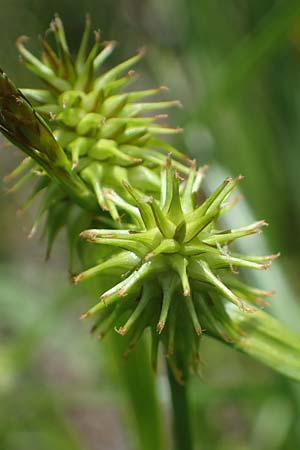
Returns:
<point x="176" y="273"/>
<point x="107" y="134"/>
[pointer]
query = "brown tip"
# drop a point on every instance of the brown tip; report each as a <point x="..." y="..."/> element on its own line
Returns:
<point x="199" y="331"/>
<point x="160" y="326"/>
<point x="109" y="43"/>
<point x="272" y="257"/>
<point x="32" y="232"/>
<point x="97" y="36"/>
<point x="203" y="169"/>
<point x="76" y="278"/>
<point x="121" y="330"/>
<point x="260" y="302"/>
<point x="20" y="40"/>
<point x="161" y="116"/>
<point x="265" y="266"/>
<point x="89" y="235"/>
<point x="186" y="292"/>
<point x="269" y="293"/>
<point x="141" y="51"/>
<point x="177" y="103"/>
<point x="85" y="315"/>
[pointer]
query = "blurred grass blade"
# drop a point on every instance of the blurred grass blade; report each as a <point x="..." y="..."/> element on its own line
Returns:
<point x="267" y="340"/>
<point x="254" y="48"/>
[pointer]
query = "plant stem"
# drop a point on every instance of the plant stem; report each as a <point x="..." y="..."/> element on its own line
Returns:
<point x="181" y="414"/>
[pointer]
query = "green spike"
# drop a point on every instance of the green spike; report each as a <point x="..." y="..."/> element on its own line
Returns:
<point x="78" y="148"/>
<point x="49" y="57"/>
<point x="199" y="179"/>
<point x="146" y="93"/>
<point x="39" y="95"/>
<point x="104" y="54"/>
<point x="231" y="235"/>
<point x="166" y="246"/>
<point x="126" y="244"/>
<point x="114" y="294"/>
<point x="90" y="125"/>
<point x="71" y="99"/>
<point x="93" y="174"/>
<point x="81" y="55"/>
<point x="23" y="180"/>
<point x="148" y="238"/>
<point x="169" y="285"/>
<point x="223" y="261"/>
<point x="113" y="73"/>
<point x="113" y="105"/>
<point x="26" y="164"/>
<point x="86" y="76"/>
<point x="188" y="195"/>
<point x="144" y="178"/>
<point x="162" y="145"/>
<point x="179" y="265"/>
<point x="111" y="129"/>
<point x="166" y="192"/>
<point x="115" y="86"/>
<point x="175" y="213"/>
<point x="209" y="276"/>
<point x="121" y="203"/>
<point x="124" y="260"/>
<point x="40" y="69"/>
<point x="70" y="116"/>
<point x="142" y="303"/>
<point x="131" y="134"/>
<point x="193" y="228"/>
<point x="166" y="227"/>
<point x="106" y="149"/>
<point x="66" y="69"/>
<point x="191" y="309"/>
<point x="141" y="202"/>
<point x="224" y="195"/>
<point x="134" y="109"/>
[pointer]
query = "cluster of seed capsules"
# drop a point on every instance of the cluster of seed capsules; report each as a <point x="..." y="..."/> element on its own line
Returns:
<point x="91" y="144"/>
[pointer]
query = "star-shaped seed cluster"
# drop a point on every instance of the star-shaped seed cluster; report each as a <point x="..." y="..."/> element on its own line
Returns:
<point x="175" y="270"/>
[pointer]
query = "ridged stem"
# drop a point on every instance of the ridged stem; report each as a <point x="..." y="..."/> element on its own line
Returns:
<point x="181" y="420"/>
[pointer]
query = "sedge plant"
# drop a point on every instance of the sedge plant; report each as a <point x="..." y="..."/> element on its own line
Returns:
<point x="135" y="214"/>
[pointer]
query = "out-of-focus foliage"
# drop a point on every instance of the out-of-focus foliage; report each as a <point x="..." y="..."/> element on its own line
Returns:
<point x="235" y="66"/>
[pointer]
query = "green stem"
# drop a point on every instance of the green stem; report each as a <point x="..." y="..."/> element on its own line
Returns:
<point x="138" y="381"/>
<point x="182" y="431"/>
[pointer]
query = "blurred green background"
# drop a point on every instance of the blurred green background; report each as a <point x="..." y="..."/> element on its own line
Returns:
<point x="235" y="66"/>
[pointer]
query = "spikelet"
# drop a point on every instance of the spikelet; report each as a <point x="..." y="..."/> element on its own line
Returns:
<point x="176" y="273"/>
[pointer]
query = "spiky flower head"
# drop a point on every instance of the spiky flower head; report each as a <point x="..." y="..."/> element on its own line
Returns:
<point x="176" y="273"/>
<point x="106" y="134"/>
